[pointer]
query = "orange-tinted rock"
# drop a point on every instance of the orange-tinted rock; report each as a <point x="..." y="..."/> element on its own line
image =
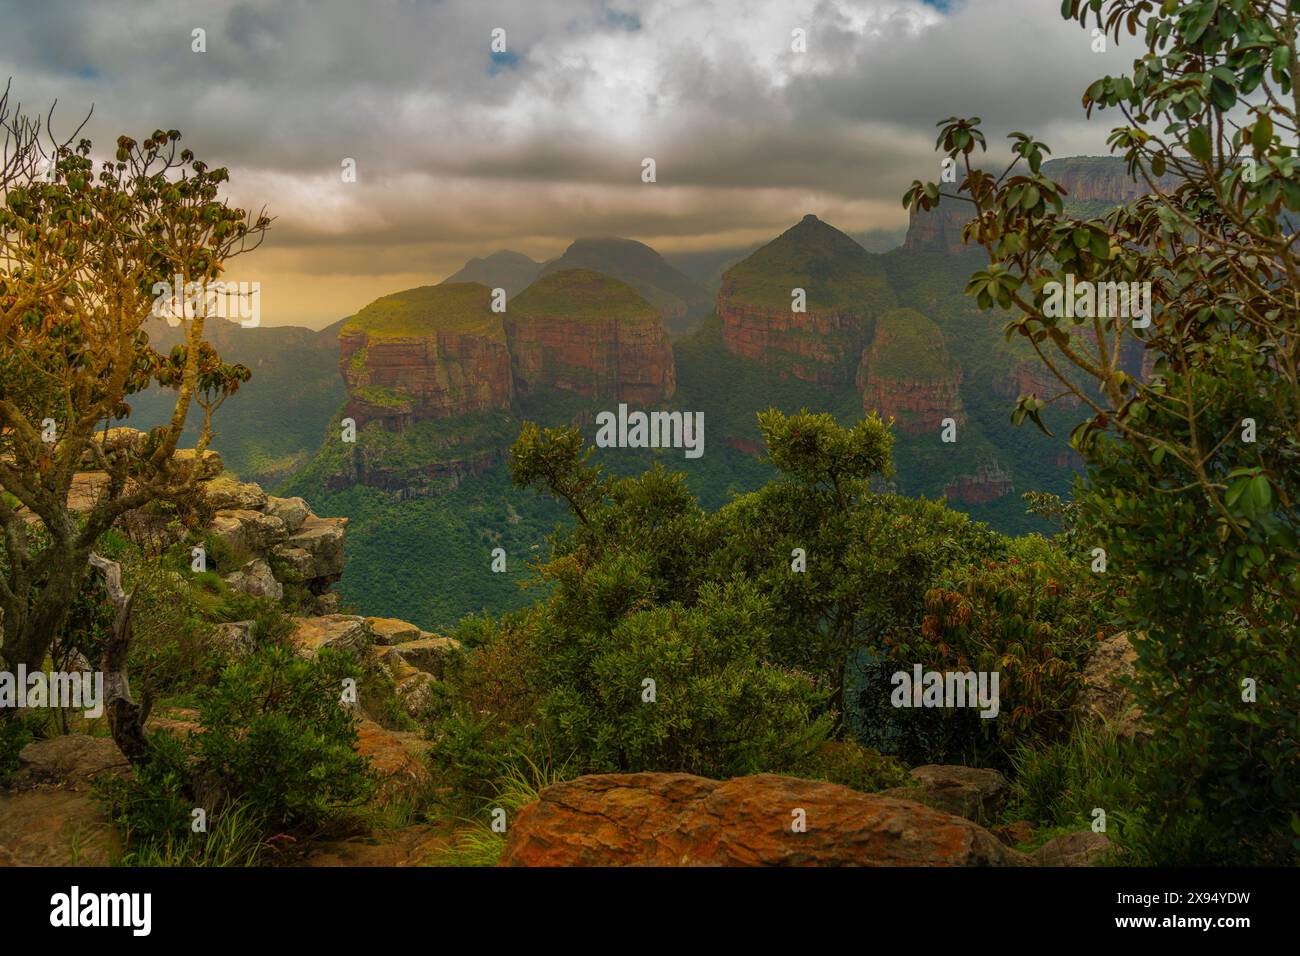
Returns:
<point x="438" y="375"/>
<point x="588" y="333"/>
<point x="907" y="374"/>
<point x="811" y="346"/>
<point x="674" y="819"/>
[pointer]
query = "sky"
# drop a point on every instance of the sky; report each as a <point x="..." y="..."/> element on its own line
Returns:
<point x="461" y="150"/>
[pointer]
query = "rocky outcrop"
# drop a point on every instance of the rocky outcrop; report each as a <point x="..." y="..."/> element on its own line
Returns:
<point x="906" y="374"/>
<point x="432" y="352"/>
<point x="969" y="792"/>
<point x="1091" y="183"/>
<point x="843" y="290"/>
<point x="674" y="819"/>
<point x="1099" y="179"/>
<point x="1073" y="849"/>
<point x="581" y="331"/>
<point x="414" y="661"/>
<point x="1103" y="696"/>
<point x="939" y="230"/>
<point x="989" y="483"/>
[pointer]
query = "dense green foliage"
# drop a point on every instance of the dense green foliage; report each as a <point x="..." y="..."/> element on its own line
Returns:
<point x="274" y="742"/>
<point x="677" y="638"/>
<point x="1191" y="486"/>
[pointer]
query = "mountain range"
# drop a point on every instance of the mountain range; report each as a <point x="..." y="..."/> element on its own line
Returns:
<point x="438" y="379"/>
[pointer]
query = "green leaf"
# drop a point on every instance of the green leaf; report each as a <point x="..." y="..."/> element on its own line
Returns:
<point x="1198" y="144"/>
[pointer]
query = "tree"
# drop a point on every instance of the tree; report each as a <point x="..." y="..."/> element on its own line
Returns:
<point x="86" y="257"/>
<point x="1193" y="487"/>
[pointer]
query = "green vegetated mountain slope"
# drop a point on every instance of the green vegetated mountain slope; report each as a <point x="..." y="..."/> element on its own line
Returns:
<point x="680" y="299"/>
<point x="273" y="425"/>
<point x="427" y="484"/>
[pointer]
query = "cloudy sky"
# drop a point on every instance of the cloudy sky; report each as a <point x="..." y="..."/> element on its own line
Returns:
<point x="461" y="151"/>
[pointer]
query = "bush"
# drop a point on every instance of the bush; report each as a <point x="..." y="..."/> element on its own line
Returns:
<point x="852" y="765"/>
<point x="1032" y="617"/>
<point x="275" y="743"/>
<point x="276" y="736"/>
<point x="1059" y="784"/>
<point x="15" y="734"/>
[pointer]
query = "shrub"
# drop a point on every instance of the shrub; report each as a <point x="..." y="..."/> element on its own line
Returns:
<point x="1032" y="617"/>
<point x="276" y="736"/>
<point x="275" y="743"/>
<point x="851" y="765"/>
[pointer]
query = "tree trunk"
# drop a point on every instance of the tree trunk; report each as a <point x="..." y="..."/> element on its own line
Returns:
<point x="125" y="716"/>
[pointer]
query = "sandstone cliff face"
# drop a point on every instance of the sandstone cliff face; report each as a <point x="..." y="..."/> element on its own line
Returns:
<point x="399" y="379"/>
<point x="843" y="290"/>
<point x="989" y="483"/>
<point x="906" y="373"/>
<point x="916" y="406"/>
<point x="1086" y="179"/>
<point x="813" y="346"/>
<point x="939" y="230"/>
<point x="1097" y="179"/>
<point x="584" y="332"/>
<point x="1032" y="377"/>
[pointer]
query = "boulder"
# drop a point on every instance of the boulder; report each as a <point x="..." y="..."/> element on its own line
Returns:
<point x="1073" y="849"/>
<point x="1103" y="696"/>
<point x="344" y="632"/>
<point x="70" y="760"/>
<point x="292" y="511"/>
<point x="968" y="792"/>
<point x="227" y="493"/>
<point x="428" y="654"/>
<point x="416" y="692"/>
<point x="676" y="819"/>
<point x="210" y="467"/>
<point x="322" y="538"/>
<point x="1015" y="833"/>
<point x="234" y="638"/>
<point x="395" y="755"/>
<point x="255" y="578"/>
<point x="247" y="532"/>
<point x="296" y="561"/>
<point x="389" y="630"/>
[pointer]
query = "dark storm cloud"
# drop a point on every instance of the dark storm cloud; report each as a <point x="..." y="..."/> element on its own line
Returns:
<point x="460" y="151"/>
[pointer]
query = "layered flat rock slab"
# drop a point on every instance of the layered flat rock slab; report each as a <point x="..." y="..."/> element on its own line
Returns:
<point x="1073" y="849"/>
<point x="429" y="654"/>
<point x="673" y="819"/>
<point x="342" y="632"/>
<point x="969" y="792"/>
